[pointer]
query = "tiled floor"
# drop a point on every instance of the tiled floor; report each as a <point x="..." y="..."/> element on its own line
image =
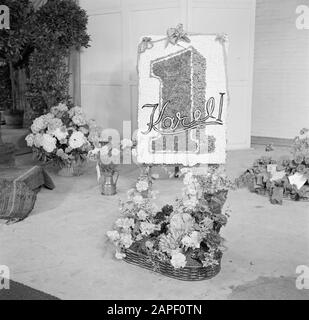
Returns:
<point x="62" y="250"/>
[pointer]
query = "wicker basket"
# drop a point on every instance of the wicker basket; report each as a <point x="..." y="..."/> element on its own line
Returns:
<point x="16" y="200"/>
<point x="192" y="273"/>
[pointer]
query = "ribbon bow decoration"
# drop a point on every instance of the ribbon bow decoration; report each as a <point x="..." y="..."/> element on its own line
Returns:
<point x="174" y="35"/>
<point x="221" y="37"/>
<point x="145" y="44"/>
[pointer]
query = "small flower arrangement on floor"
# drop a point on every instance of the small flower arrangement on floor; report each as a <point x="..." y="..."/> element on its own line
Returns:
<point x="182" y="236"/>
<point x="61" y="136"/>
<point x="107" y="155"/>
<point x="283" y="178"/>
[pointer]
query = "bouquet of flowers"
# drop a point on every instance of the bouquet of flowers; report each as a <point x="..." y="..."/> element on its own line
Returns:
<point x="107" y="153"/>
<point x="182" y="235"/>
<point x="286" y="177"/>
<point x="61" y="136"/>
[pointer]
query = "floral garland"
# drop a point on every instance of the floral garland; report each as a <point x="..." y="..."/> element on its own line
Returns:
<point x="284" y="178"/>
<point x="63" y="135"/>
<point x="186" y="234"/>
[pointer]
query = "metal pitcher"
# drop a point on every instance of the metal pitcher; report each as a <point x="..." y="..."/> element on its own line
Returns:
<point x="109" y="183"/>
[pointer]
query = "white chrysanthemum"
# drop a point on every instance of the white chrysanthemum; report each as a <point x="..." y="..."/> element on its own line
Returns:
<point x="84" y="130"/>
<point x="119" y="255"/>
<point x="79" y="119"/>
<point x="190" y="203"/>
<point x="61" y="133"/>
<point x="59" y="110"/>
<point x="138" y="199"/>
<point x="178" y="260"/>
<point x="48" y="143"/>
<point x="125" y="223"/>
<point x="126" y="239"/>
<point x="149" y="244"/>
<point x="126" y="143"/>
<point x="147" y="228"/>
<point x="38" y="140"/>
<point x="39" y="124"/>
<point x="30" y="140"/>
<point x="113" y="235"/>
<point x="74" y="111"/>
<point x="142" y="186"/>
<point x="77" y="139"/>
<point x="192" y="241"/>
<point x="142" y="214"/>
<point x="54" y="124"/>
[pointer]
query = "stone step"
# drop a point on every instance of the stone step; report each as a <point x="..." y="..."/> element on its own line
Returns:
<point x="17" y="138"/>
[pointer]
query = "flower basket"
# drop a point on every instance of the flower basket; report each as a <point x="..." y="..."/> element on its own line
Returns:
<point x="63" y="137"/>
<point x="189" y="273"/>
<point x="181" y="241"/>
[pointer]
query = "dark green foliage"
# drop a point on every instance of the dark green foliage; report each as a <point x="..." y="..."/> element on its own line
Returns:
<point x="14" y="41"/>
<point x="257" y="179"/>
<point x="49" y="80"/>
<point x="5" y="88"/>
<point x="58" y="27"/>
<point x="61" y="25"/>
<point x="41" y="42"/>
<point x="15" y="44"/>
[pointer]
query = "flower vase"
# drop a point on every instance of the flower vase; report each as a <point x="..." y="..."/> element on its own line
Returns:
<point x="73" y="169"/>
<point x="109" y="184"/>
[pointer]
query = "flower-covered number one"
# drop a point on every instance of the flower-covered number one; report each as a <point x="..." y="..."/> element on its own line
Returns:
<point x="181" y="121"/>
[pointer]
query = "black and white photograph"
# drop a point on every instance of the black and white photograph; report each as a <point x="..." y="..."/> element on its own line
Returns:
<point x="154" y="151"/>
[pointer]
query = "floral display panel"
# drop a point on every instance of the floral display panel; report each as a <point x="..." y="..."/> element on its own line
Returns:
<point x="182" y="101"/>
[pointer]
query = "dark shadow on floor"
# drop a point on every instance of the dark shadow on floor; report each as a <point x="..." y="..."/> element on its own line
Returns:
<point x="19" y="291"/>
<point x="264" y="288"/>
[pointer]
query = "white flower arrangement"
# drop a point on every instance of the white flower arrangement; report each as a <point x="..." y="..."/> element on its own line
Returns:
<point x="61" y="136"/>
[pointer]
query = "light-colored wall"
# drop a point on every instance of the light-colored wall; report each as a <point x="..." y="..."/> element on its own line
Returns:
<point x="108" y="67"/>
<point x="281" y="70"/>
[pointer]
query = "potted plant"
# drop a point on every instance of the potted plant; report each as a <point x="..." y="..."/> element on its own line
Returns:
<point x="59" y="28"/>
<point x="283" y="178"/>
<point x="181" y="241"/>
<point x="14" y="50"/>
